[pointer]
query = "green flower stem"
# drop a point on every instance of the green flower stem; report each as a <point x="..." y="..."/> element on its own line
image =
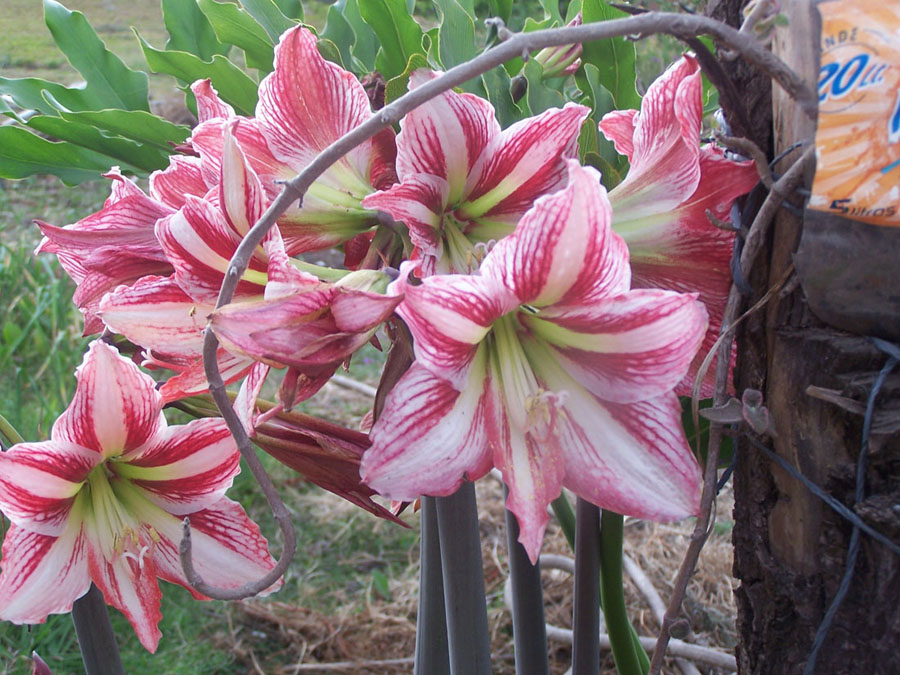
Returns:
<point x="431" y="624"/>
<point x="586" y="613"/>
<point x="9" y="432"/>
<point x="562" y="509"/>
<point x="99" y="651"/>
<point x="529" y="629"/>
<point x="464" y="593"/>
<point x="624" y="648"/>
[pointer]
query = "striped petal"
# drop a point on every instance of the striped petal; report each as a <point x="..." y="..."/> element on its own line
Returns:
<point x="199" y="242"/>
<point x="186" y="468"/>
<point x="445" y="136"/>
<point x="129" y="584"/>
<point x="523" y="162"/>
<point x="448" y="315"/>
<point x="116" y="407"/>
<point x="629" y="458"/>
<point x="41" y="574"/>
<point x="627" y="348"/>
<point x="418" y="202"/>
<point x="157" y="315"/>
<point x="563" y="249"/>
<point x="183" y="176"/>
<point x="307" y="103"/>
<point x="209" y="105"/>
<point x="240" y="192"/>
<point x="664" y="160"/>
<point x="39" y="482"/>
<point x="424" y="413"/>
<point x="191" y="377"/>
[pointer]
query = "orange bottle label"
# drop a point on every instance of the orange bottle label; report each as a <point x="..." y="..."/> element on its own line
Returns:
<point x="858" y="137"/>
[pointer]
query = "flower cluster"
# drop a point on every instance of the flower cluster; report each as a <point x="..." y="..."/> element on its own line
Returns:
<point x="552" y="324"/>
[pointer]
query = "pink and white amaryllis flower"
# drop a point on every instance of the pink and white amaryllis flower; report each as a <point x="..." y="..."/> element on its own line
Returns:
<point x="166" y="315"/>
<point x="305" y="104"/>
<point x="548" y="367"/>
<point x="464" y="182"/>
<point x="312" y="330"/>
<point x="103" y="501"/>
<point x="117" y="245"/>
<point x="660" y="209"/>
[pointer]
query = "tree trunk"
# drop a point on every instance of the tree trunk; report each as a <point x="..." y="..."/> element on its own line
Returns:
<point x="790" y="548"/>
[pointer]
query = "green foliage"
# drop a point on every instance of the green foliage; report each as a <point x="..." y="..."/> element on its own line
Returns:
<point x="109" y="82"/>
<point x="234" y="25"/>
<point x="190" y="30"/>
<point x="398" y="33"/>
<point x="231" y="82"/>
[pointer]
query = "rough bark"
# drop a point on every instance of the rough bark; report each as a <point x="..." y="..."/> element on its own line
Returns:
<point x="790" y="549"/>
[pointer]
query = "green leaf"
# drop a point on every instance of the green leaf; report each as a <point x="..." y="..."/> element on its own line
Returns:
<point x="233" y="85"/>
<point x="329" y="51"/>
<point x="136" y="157"/>
<point x="539" y="96"/>
<point x="235" y="26"/>
<point x="23" y="153"/>
<point x="366" y="46"/>
<point x="611" y="163"/>
<point x="28" y="93"/>
<point x="292" y="9"/>
<point x="456" y="34"/>
<point x="496" y="84"/>
<point x="190" y="30"/>
<point x="134" y="124"/>
<point x="340" y="32"/>
<point x="110" y="82"/>
<point x="270" y="16"/>
<point x="501" y="8"/>
<point x="614" y="57"/>
<point x="400" y="36"/>
<point x="397" y="86"/>
<point x="551" y="10"/>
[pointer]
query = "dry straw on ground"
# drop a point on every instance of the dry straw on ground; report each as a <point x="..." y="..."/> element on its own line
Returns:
<point x="379" y="636"/>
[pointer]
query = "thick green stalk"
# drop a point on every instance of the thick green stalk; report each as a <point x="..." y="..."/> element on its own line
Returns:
<point x="617" y="624"/>
<point x="562" y="509"/>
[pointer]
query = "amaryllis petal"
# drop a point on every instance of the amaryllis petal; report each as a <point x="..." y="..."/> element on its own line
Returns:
<point x="419" y="202"/>
<point x="307" y="103"/>
<point x="39" y="481"/>
<point x="643" y="466"/>
<point x="618" y="126"/>
<point x="156" y="314"/>
<point x="209" y="105"/>
<point x="129" y="584"/>
<point x="532" y="468"/>
<point x="115" y="407"/>
<point x="422" y="413"/>
<point x="628" y="348"/>
<point x="448" y="316"/>
<point x="228" y="549"/>
<point x="188" y="468"/>
<point x="240" y="192"/>
<point x="41" y="574"/>
<point x="199" y="242"/>
<point x="664" y="162"/>
<point x="183" y="176"/>
<point x="524" y="161"/>
<point x="631" y="458"/>
<point x="445" y="136"/>
<point x="563" y="250"/>
<point x="191" y="377"/>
